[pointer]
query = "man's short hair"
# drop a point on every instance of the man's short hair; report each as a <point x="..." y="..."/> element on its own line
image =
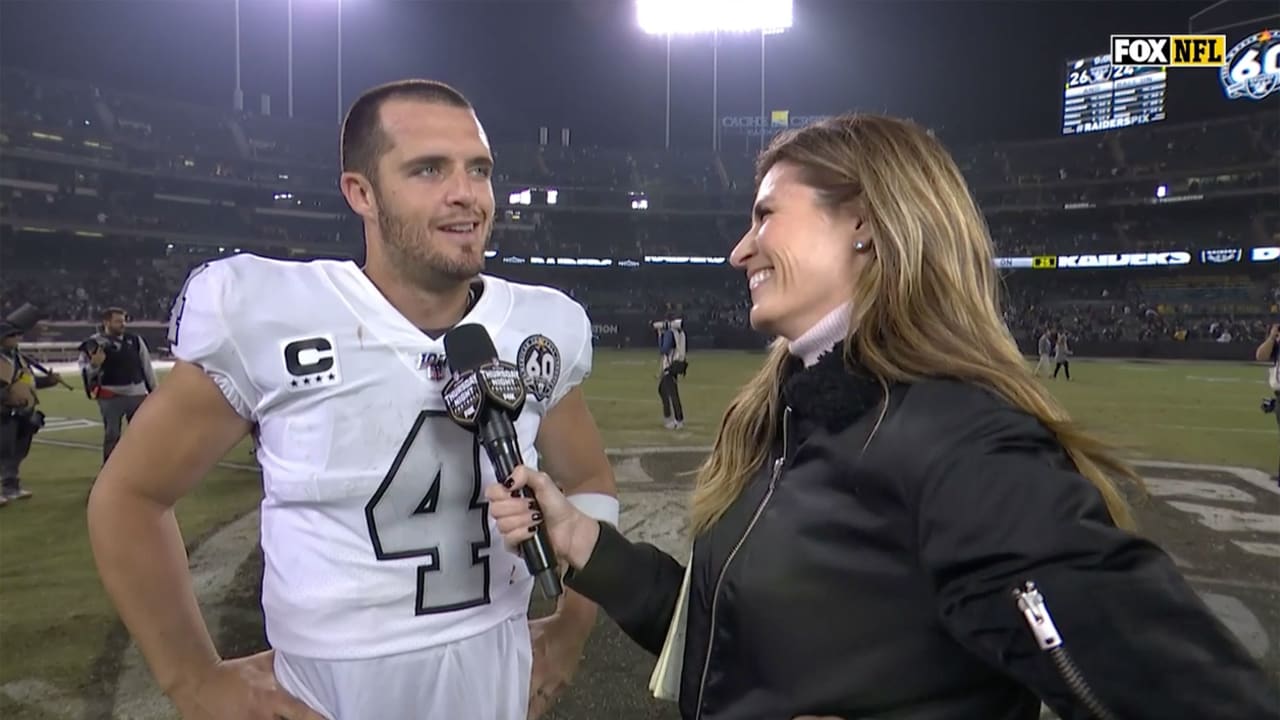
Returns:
<point x="363" y="140"/>
<point x="111" y="312"/>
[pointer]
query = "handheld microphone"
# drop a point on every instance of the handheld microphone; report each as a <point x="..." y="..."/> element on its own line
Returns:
<point x="484" y="396"/>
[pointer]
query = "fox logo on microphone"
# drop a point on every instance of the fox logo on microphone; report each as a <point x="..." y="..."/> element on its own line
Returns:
<point x="462" y="399"/>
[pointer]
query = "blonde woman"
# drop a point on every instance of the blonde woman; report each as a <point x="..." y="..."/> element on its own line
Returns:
<point x="893" y="497"/>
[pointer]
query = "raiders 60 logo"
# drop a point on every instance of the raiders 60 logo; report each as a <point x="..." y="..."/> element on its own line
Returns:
<point x="1252" y="67"/>
<point x="539" y="363"/>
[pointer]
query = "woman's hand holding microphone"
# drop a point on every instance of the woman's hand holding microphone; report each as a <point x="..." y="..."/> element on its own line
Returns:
<point x="573" y="533"/>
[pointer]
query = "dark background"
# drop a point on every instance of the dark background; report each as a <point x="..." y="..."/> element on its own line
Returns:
<point x="975" y="71"/>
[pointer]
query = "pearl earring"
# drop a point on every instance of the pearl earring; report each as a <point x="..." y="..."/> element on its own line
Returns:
<point x="859" y="245"/>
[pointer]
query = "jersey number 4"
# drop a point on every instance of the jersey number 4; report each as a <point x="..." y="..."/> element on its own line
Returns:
<point x="429" y="506"/>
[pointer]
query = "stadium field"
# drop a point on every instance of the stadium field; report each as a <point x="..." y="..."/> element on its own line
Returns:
<point x="65" y="656"/>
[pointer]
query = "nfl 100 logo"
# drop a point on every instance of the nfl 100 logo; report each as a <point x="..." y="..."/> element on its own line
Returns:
<point x="434" y="364"/>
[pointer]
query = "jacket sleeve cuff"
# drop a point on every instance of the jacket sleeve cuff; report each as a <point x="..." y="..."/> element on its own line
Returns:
<point x="608" y="570"/>
<point x="636" y="584"/>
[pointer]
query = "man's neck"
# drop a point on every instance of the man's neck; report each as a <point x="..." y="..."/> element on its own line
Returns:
<point x="426" y="309"/>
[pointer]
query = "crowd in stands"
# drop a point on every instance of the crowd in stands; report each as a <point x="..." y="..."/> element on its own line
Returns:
<point x="113" y="197"/>
<point x="1188" y="308"/>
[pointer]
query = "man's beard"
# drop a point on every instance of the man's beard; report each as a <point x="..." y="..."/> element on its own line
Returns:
<point x="409" y="248"/>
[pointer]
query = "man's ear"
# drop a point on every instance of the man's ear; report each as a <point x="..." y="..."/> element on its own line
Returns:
<point x="358" y="191"/>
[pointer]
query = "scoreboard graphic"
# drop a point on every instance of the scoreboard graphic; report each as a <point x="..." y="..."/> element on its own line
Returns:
<point x="1100" y="96"/>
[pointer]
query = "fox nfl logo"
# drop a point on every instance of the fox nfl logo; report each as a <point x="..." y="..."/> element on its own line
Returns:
<point x="1169" y="50"/>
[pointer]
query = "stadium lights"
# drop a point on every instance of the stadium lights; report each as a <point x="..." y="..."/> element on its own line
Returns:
<point x="686" y="17"/>
<point x="691" y="17"/>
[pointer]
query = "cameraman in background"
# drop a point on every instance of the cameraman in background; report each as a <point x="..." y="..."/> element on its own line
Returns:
<point x="671" y="347"/>
<point x="1269" y="351"/>
<point x="20" y="420"/>
<point x="117" y="372"/>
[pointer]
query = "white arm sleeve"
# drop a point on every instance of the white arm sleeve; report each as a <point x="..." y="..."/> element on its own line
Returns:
<point x="578" y="360"/>
<point x="199" y="334"/>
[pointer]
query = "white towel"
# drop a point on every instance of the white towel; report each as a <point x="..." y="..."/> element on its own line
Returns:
<point x="664" y="683"/>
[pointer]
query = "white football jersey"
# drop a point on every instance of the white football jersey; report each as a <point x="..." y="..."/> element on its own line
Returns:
<point x="376" y="535"/>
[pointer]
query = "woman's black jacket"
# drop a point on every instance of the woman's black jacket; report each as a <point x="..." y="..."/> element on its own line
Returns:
<point x="877" y="582"/>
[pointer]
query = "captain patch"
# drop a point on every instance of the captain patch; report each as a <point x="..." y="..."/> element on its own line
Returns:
<point x="539" y="363"/>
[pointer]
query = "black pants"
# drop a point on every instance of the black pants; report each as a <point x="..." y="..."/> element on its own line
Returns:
<point x="1062" y="365"/>
<point x="1277" y="414"/>
<point x="669" y="391"/>
<point x="16" y="433"/>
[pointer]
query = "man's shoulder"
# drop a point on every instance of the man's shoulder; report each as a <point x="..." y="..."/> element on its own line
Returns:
<point x="247" y="283"/>
<point x="538" y="304"/>
<point x="542" y="296"/>
<point x="247" y="268"/>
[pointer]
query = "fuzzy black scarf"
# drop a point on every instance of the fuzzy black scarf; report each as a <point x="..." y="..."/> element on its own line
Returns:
<point x="830" y="393"/>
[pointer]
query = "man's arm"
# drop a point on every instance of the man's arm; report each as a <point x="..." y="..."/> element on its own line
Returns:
<point x="177" y="436"/>
<point x="90" y="361"/>
<point x="572" y="453"/>
<point x="44" y="382"/>
<point x="1263" y="353"/>
<point x="144" y="356"/>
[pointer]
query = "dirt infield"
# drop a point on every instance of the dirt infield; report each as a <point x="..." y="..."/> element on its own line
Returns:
<point x="1221" y="525"/>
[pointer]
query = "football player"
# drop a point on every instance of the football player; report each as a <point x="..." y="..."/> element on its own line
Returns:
<point x="386" y="591"/>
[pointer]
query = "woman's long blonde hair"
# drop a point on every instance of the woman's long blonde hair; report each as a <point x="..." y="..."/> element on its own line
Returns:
<point x="926" y="305"/>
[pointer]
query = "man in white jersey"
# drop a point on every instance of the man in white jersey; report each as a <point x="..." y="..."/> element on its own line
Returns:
<point x="386" y="591"/>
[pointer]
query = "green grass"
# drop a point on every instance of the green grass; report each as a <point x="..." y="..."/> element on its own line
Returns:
<point x="55" y="619"/>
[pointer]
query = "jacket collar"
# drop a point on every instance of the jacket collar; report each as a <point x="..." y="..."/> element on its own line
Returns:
<point x="831" y="393"/>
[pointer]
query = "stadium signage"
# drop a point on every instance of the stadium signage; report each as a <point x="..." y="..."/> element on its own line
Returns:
<point x="683" y="260"/>
<point x="1168" y="50"/>
<point x="571" y="262"/>
<point x="1252" y="68"/>
<point x="776" y="121"/>
<point x="1265" y="254"/>
<point x="1124" y="260"/>
<point x="1217" y="256"/>
<point x="1221" y="257"/>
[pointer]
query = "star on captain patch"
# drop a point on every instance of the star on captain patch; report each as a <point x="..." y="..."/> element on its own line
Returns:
<point x="311" y="362"/>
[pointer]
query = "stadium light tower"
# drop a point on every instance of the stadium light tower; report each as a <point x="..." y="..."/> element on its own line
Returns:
<point x="699" y="17"/>
<point x="289" y="54"/>
<point x="237" y="98"/>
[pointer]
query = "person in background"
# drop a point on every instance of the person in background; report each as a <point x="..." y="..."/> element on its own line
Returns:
<point x="20" y="418"/>
<point x="1044" y="346"/>
<point x="896" y="519"/>
<point x="1269" y="351"/>
<point x="671" y="349"/>
<point x="116" y="368"/>
<point x="1061" y="356"/>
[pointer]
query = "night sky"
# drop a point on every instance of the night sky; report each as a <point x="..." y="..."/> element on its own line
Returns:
<point x="976" y="71"/>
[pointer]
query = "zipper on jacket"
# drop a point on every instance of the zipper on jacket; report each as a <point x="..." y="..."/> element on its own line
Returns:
<point x="715" y="593"/>
<point x="1036" y="613"/>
